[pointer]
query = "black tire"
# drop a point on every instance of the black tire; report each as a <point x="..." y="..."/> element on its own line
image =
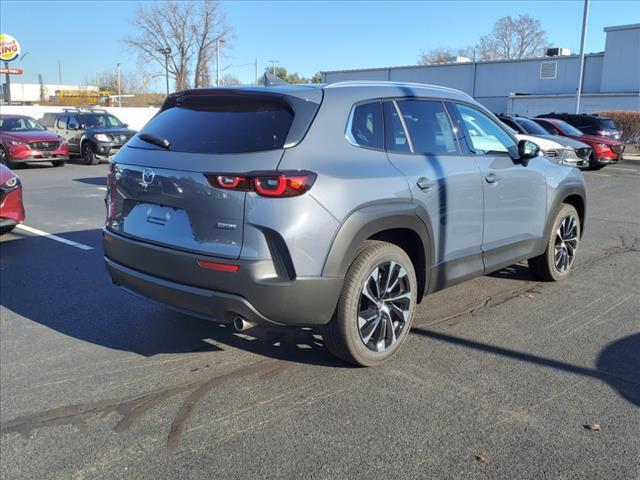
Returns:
<point x="4" y="158"/>
<point x="89" y="154"/>
<point x="59" y="163"/>
<point x="342" y="335"/>
<point x="6" y="229"/>
<point x="593" y="163"/>
<point x="544" y="267"/>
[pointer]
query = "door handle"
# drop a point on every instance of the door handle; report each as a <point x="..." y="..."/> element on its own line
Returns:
<point x="491" y="178"/>
<point x="424" y="183"/>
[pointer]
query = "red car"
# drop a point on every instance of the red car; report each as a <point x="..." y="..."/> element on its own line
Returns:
<point x="23" y="139"/>
<point x="605" y="149"/>
<point x="11" y="209"/>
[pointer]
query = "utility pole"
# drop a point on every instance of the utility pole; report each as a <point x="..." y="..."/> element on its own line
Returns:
<point x="585" y="18"/>
<point x="166" y="52"/>
<point x="273" y="65"/>
<point x="257" y="78"/>
<point x="219" y="40"/>
<point x="22" y="77"/>
<point x="119" y="89"/>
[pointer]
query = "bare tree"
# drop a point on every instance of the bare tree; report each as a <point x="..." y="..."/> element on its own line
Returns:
<point x="129" y="83"/>
<point x="186" y="29"/>
<point x="229" y="79"/>
<point x="520" y="37"/>
<point x="441" y="55"/>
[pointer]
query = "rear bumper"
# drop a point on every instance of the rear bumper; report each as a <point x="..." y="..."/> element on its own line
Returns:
<point x="173" y="278"/>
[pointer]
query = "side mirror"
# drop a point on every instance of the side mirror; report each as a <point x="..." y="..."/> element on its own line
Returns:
<point x="527" y="150"/>
<point x="126" y="125"/>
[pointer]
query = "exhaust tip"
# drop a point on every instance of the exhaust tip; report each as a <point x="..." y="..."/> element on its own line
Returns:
<point x="240" y="324"/>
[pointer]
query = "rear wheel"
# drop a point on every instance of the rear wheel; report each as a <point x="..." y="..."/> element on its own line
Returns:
<point x="59" y="163"/>
<point x="556" y="262"/>
<point x="4" y="157"/>
<point x="376" y="306"/>
<point x="89" y="154"/>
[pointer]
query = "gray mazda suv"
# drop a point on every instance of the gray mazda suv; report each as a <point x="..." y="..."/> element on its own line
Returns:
<point x="333" y="206"/>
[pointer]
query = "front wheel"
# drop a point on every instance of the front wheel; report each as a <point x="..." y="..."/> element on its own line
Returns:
<point x="376" y="306"/>
<point x="59" y="163"/>
<point x="89" y="154"/>
<point x="556" y="262"/>
<point x="4" y="157"/>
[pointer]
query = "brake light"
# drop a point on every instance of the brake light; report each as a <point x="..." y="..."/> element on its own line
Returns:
<point x="266" y="184"/>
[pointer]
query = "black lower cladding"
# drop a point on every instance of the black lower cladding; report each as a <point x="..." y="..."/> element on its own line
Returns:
<point x="174" y="278"/>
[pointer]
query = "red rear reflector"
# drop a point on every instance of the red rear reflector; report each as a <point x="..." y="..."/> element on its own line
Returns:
<point x="220" y="267"/>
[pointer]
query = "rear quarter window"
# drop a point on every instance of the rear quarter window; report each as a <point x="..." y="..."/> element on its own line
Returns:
<point x="212" y="124"/>
<point x="366" y="126"/>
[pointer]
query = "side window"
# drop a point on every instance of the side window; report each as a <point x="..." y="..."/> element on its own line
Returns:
<point x="428" y="126"/>
<point x="395" y="137"/>
<point x="511" y="123"/>
<point x="72" y="122"/>
<point x="486" y="136"/>
<point x="62" y="121"/>
<point x="549" y="128"/>
<point x="366" y="126"/>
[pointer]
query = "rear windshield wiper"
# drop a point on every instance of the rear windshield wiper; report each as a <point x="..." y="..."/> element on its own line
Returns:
<point x="161" y="142"/>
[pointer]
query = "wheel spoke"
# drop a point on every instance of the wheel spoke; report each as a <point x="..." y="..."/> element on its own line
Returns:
<point x="369" y="327"/>
<point x="399" y="311"/>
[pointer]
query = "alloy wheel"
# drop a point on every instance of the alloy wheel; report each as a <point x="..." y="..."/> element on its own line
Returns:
<point x="3" y="156"/>
<point x="566" y="244"/>
<point x="384" y="307"/>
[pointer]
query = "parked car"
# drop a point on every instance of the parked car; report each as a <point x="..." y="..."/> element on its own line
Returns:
<point x="23" y="139"/>
<point x="605" y="149"/>
<point x="11" y="208"/>
<point x="563" y="149"/>
<point x="591" y="124"/>
<point x="93" y="134"/>
<point x="332" y="206"/>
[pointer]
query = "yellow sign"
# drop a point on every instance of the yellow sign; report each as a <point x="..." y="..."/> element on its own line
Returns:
<point x="9" y="48"/>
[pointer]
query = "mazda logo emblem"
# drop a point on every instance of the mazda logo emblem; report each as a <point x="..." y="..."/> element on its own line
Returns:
<point x="147" y="177"/>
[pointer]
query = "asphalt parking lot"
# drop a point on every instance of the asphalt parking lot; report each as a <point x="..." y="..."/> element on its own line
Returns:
<point x="499" y="379"/>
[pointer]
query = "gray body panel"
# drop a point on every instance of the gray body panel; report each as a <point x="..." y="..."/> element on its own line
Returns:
<point x="303" y="246"/>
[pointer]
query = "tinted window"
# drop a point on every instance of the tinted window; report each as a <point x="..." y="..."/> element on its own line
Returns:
<point x="529" y="126"/>
<point x="607" y="123"/>
<point x="62" y="121"/>
<point x="568" y="129"/>
<point x="511" y="123"/>
<point x="366" y="126"/>
<point x="221" y="124"/>
<point x="486" y="136"/>
<point x="72" y="122"/>
<point x="100" y="120"/>
<point x="428" y="126"/>
<point x="548" y="127"/>
<point x="19" y="124"/>
<point x="395" y="137"/>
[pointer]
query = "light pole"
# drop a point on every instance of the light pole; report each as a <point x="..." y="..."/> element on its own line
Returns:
<point x="273" y="65"/>
<point x="585" y="18"/>
<point x="119" y="89"/>
<point x="166" y="52"/>
<point x="219" y="40"/>
<point x="22" y="77"/>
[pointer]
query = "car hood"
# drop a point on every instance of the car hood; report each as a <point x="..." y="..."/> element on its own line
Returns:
<point x="542" y="142"/>
<point x="598" y="139"/>
<point x="565" y="141"/>
<point x="32" y="136"/>
<point x="112" y="130"/>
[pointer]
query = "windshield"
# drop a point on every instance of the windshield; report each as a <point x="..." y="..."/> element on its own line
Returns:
<point x="531" y="127"/>
<point x="19" y="124"/>
<point x="569" y="129"/>
<point x="98" y="120"/>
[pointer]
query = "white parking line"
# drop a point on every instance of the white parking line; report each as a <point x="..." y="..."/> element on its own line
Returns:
<point x="35" y="231"/>
<point x="622" y="169"/>
<point x="598" y="174"/>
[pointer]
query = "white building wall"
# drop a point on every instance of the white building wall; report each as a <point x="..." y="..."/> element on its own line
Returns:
<point x="621" y="68"/>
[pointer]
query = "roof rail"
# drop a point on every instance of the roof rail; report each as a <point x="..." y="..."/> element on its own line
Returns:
<point x="83" y="109"/>
<point x="355" y="83"/>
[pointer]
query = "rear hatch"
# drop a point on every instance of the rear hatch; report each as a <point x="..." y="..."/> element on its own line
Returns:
<point x="166" y="195"/>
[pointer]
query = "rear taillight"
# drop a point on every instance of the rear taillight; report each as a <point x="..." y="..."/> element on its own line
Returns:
<point x="266" y="184"/>
<point x="604" y="133"/>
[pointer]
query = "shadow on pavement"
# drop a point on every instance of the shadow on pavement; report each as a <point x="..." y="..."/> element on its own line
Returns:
<point x="100" y="181"/>
<point x="68" y="290"/>
<point x="515" y="272"/>
<point x="618" y="364"/>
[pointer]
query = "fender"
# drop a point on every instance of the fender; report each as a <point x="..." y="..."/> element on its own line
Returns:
<point x="366" y="222"/>
<point x="571" y="186"/>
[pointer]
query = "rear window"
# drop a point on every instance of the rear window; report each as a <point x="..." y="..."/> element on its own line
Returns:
<point x="607" y="123"/>
<point x="221" y="124"/>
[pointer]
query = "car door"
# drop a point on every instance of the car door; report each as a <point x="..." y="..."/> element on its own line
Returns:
<point x="444" y="180"/>
<point x="515" y="193"/>
<point x="73" y="133"/>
